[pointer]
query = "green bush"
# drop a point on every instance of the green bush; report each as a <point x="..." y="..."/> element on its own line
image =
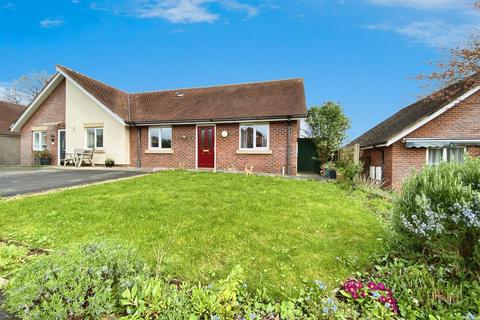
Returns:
<point x="83" y="282"/>
<point x="350" y="170"/>
<point x="438" y="211"/>
<point x="11" y="259"/>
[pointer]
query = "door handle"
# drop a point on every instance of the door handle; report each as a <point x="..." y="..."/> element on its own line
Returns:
<point x="206" y="150"/>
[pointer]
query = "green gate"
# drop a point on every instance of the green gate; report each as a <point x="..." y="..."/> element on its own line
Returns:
<point x="306" y="154"/>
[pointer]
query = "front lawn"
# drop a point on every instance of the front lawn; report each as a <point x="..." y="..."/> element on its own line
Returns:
<point x="201" y="225"/>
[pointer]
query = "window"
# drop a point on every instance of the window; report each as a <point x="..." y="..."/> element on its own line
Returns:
<point x="254" y="136"/>
<point x="160" y="138"/>
<point x="436" y="155"/>
<point x="39" y="140"/>
<point x="94" y="138"/>
<point x="455" y="154"/>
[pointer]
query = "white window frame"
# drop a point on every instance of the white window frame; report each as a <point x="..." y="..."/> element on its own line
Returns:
<point x="254" y="125"/>
<point x="40" y="133"/>
<point x="444" y="153"/>
<point x="159" y="138"/>
<point x="94" y="138"/>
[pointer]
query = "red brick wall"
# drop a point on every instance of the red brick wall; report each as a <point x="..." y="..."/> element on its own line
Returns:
<point x="50" y="111"/>
<point x="373" y="157"/>
<point x="183" y="145"/>
<point x="227" y="158"/>
<point x="462" y="121"/>
<point x="184" y="148"/>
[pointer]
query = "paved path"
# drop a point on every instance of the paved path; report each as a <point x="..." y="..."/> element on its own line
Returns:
<point x="23" y="180"/>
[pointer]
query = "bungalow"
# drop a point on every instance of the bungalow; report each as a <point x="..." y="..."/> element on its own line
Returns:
<point x="441" y="127"/>
<point x="9" y="141"/>
<point x="229" y="127"/>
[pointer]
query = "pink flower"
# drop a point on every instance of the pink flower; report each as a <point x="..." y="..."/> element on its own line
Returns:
<point x="355" y="295"/>
<point x="382" y="299"/>
<point x="371" y="285"/>
<point x="380" y="286"/>
<point x="363" y="294"/>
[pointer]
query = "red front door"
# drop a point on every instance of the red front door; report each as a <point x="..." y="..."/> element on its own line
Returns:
<point x="206" y="147"/>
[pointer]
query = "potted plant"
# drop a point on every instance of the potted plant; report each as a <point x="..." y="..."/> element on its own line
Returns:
<point x="109" y="162"/>
<point x="43" y="157"/>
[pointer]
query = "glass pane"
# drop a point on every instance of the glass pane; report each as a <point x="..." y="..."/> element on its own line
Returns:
<point x="91" y="138"/>
<point x="210" y="138"/>
<point x="154" y="138"/>
<point x="44" y="139"/>
<point x="99" y="138"/>
<point x="247" y="137"/>
<point x="435" y="156"/>
<point x="166" y="138"/>
<point x="202" y="138"/>
<point x="261" y="137"/>
<point x="455" y="155"/>
<point x="36" y="140"/>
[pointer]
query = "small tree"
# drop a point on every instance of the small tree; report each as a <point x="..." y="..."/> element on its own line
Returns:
<point x="327" y="125"/>
<point x="26" y="88"/>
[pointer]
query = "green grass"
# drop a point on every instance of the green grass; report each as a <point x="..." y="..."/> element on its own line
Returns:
<point x="281" y="231"/>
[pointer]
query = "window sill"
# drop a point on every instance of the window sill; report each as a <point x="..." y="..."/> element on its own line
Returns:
<point x="165" y="151"/>
<point x="254" y="152"/>
<point x="98" y="151"/>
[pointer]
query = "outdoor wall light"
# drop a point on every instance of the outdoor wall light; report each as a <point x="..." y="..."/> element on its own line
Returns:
<point x="52" y="138"/>
<point x="224" y="133"/>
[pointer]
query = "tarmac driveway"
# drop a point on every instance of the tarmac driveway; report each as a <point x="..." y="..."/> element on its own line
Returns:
<point x="23" y="180"/>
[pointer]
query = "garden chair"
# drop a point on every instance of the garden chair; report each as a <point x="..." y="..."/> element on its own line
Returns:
<point x="69" y="159"/>
<point x="85" y="155"/>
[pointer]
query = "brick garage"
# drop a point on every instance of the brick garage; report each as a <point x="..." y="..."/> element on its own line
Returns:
<point x="227" y="158"/>
<point x="9" y="141"/>
<point x="460" y="122"/>
<point x="51" y="117"/>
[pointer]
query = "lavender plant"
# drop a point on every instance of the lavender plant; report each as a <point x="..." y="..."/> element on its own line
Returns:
<point x="439" y="209"/>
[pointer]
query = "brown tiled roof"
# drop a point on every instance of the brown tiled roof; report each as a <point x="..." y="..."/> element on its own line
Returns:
<point x="9" y="113"/>
<point x="111" y="97"/>
<point x="415" y="112"/>
<point x="272" y="99"/>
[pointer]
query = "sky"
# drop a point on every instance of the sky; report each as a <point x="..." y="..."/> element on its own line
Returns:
<point x="359" y="53"/>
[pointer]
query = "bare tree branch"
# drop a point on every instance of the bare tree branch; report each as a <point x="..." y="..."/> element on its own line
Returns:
<point x="463" y="61"/>
<point x="27" y="87"/>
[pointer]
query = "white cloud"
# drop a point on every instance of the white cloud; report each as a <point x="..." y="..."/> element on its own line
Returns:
<point x="179" y="11"/>
<point x="422" y="4"/>
<point x="51" y="23"/>
<point x="437" y="33"/>
<point x="238" y="6"/>
<point x="433" y="33"/>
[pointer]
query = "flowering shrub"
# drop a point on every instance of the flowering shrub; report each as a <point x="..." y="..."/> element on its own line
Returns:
<point x="370" y="296"/>
<point x="230" y="298"/>
<point x="83" y="282"/>
<point x="439" y="209"/>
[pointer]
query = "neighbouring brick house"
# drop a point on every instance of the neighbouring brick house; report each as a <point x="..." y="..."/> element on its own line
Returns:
<point x="9" y="141"/>
<point x="441" y="127"/>
<point x="229" y="127"/>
